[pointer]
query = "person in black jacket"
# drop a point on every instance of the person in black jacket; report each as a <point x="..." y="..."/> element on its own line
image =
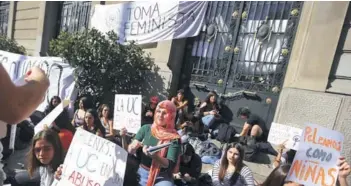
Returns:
<point x="149" y="111"/>
<point x="55" y="100"/>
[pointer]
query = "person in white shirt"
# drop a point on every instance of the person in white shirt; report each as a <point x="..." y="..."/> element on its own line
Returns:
<point x="18" y="102"/>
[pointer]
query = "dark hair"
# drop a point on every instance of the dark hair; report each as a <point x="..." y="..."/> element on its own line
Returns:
<point x="291" y="155"/>
<point x="180" y="91"/>
<point x="277" y="176"/>
<point x="87" y="104"/>
<point x="207" y="100"/>
<point x="188" y="149"/>
<point x="101" y="108"/>
<point x="62" y="121"/>
<point x="50" y="106"/>
<point x="53" y="138"/>
<point x="97" y="123"/>
<point x="243" y="111"/>
<point x="238" y="165"/>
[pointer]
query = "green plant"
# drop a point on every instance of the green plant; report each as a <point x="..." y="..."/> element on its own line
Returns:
<point x="104" y="67"/>
<point x="10" y="45"/>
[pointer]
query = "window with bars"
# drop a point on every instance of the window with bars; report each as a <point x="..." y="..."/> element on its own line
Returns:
<point x="4" y="16"/>
<point x="340" y="74"/>
<point x="74" y="16"/>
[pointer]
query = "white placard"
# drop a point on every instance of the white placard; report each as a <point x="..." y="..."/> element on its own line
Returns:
<point x="51" y="116"/>
<point x="279" y="133"/>
<point x="315" y="162"/>
<point x="92" y="160"/>
<point x="60" y="74"/>
<point x="150" y="21"/>
<point x="127" y="112"/>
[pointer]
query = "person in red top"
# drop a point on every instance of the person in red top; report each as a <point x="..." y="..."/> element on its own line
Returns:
<point x="65" y="130"/>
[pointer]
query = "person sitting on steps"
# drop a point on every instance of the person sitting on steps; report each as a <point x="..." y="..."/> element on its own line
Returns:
<point x="254" y="125"/>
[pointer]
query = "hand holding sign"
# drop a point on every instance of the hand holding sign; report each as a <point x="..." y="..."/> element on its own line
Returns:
<point x="315" y="162"/>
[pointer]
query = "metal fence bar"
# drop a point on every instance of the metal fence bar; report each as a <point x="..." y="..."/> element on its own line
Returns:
<point x="75" y="16"/>
<point x="4" y="17"/>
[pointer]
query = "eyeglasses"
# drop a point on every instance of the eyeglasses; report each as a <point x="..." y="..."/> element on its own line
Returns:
<point x="44" y="149"/>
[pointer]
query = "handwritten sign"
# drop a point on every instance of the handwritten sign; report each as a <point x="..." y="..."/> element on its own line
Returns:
<point x="51" y="116"/>
<point x="280" y="133"/>
<point x="315" y="162"/>
<point x="127" y="112"/>
<point x="92" y="160"/>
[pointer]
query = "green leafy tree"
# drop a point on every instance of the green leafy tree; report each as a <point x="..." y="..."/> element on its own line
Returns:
<point x="10" y="45"/>
<point x="105" y="67"/>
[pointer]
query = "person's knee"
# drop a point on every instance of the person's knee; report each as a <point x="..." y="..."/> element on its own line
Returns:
<point x="164" y="183"/>
<point x="256" y="131"/>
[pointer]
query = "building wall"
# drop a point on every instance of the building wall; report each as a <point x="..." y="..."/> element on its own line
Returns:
<point x="304" y="97"/>
<point x="26" y="22"/>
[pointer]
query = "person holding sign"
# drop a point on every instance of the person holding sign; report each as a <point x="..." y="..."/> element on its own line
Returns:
<point x="155" y="169"/>
<point x="17" y="103"/>
<point x="46" y="154"/>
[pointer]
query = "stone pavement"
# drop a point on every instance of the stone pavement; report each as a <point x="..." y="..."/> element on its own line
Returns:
<point x="17" y="161"/>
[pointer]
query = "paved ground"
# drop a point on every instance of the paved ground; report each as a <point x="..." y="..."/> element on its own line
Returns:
<point x="17" y="162"/>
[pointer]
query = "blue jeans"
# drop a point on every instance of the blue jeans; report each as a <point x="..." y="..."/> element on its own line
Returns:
<point x="162" y="178"/>
<point x="208" y="120"/>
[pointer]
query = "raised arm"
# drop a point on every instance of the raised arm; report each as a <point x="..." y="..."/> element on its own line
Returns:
<point x="17" y="103"/>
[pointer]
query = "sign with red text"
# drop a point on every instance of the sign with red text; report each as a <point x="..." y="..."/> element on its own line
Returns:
<point x="92" y="160"/>
<point x="127" y="112"/>
<point x="315" y="162"/>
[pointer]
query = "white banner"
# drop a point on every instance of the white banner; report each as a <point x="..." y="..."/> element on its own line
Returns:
<point x="127" y="112"/>
<point x="60" y="74"/>
<point x="150" y="21"/>
<point x="92" y="160"/>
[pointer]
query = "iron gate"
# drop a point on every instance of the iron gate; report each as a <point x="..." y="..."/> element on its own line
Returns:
<point x="242" y="53"/>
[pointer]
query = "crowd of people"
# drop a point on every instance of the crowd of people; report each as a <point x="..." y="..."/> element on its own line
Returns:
<point x="162" y="122"/>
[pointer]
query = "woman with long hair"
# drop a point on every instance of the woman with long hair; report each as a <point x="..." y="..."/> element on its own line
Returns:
<point x="93" y="124"/>
<point x="107" y="123"/>
<point x="230" y="169"/>
<point x="209" y="111"/>
<point x="46" y="154"/>
<point x="156" y="169"/>
<point x="55" y="100"/>
<point x="78" y="118"/>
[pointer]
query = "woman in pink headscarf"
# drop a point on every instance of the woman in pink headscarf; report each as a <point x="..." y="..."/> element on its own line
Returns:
<point x="156" y="169"/>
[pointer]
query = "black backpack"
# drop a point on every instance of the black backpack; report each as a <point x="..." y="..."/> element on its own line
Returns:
<point x="226" y="133"/>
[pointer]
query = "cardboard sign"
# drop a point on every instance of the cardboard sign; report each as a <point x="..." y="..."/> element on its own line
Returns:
<point x="315" y="162"/>
<point x="280" y="133"/>
<point x="51" y="116"/>
<point x="92" y="160"/>
<point x="127" y="112"/>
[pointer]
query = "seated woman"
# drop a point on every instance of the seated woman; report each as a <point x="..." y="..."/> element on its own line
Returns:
<point x="93" y="124"/>
<point x="55" y="100"/>
<point x="182" y="106"/>
<point x="230" y="169"/>
<point x="209" y="110"/>
<point x="78" y="118"/>
<point x="46" y="154"/>
<point x="155" y="169"/>
<point x="107" y="123"/>
<point x="279" y="174"/>
<point x="190" y="167"/>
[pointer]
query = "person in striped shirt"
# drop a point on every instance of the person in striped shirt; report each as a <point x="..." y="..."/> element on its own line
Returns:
<point x="230" y="169"/>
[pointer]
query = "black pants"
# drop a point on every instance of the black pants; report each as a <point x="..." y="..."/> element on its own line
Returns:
<point x="22" y="179"/>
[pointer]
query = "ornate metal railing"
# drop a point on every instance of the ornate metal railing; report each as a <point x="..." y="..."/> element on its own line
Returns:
<point x="4" y="16"/>
<point x="75" y="16"/>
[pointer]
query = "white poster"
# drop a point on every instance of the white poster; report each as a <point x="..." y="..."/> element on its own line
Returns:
<point x="127" y="112"/>
<point x="315" y="162"/>
<point x="279" y="134"/>
<point x="150" y="21"/>
<point x="60" y="74"/>
<point x="92" y="160"/>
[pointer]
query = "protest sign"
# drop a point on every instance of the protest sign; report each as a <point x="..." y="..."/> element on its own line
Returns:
<point x="150" y="21"/>
<point x="92" y="160"/>
<point x="127" y="112"/>
<point x="315" y="162"/>
<point x="51" y="116"/>
<point x="279" y="133"/>
<point x="60" y="74"/>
